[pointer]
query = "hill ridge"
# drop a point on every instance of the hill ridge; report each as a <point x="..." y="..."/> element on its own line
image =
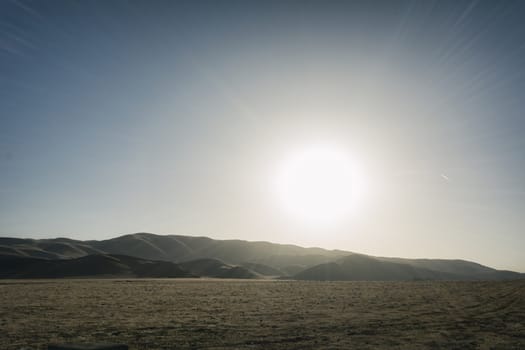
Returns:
<point x="249" y="259"/>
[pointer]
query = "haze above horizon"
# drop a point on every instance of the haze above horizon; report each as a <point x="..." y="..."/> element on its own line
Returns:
<point x="389" y="128"/>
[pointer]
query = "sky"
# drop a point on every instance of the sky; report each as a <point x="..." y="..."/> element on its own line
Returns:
<point x="177" y="117"/>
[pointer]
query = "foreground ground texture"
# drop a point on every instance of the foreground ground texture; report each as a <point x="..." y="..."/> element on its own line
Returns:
<point x="218" y="314"/>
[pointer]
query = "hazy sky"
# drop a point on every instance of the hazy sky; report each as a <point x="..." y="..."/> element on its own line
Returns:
<point x="176" y="117"/>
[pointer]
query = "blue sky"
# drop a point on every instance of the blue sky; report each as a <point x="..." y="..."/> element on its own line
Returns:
<point x="174" y="117"/>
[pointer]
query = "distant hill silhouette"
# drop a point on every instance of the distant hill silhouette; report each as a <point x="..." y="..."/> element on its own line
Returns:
<point x="203" y="256"/>
<point x="58" y="248"/>
<point x="100" y="265"/>
<point x="358" y="267"/>
<point x="177" y="248"/>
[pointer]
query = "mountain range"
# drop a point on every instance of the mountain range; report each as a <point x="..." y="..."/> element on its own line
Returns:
<point x="150" y="255"/>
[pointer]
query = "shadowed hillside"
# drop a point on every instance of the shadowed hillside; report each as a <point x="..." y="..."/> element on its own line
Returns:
<point x="217" y="268"/>
<point x="58" y="248"/>
<point x="263" y="270"/>
<point x="357" y="267"/>
<point x="208" y="257"/>
<point x="177" y="249"/>
<point x="88" y="266"/>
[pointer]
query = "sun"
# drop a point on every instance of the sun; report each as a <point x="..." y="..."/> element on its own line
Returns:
<point x="318" y="184"/>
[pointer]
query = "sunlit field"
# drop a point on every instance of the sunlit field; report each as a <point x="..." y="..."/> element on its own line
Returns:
<point x="219" y="314"/>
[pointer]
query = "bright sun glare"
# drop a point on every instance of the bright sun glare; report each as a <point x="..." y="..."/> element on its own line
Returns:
<point x="319" y="184"/>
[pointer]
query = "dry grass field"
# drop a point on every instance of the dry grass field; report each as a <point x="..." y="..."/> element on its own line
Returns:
<point x="218" y="314"/>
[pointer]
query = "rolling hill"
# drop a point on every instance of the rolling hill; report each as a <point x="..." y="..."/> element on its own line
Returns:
<point x="263" y="270"/>
<point x="358" y="267"/>
<point x="215" y="268"/>
<point x="203" y="256"/>
<point x="99" y="265"/>
<point x="175" y="248"/>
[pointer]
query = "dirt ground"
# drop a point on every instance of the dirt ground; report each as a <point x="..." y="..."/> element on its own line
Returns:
<point x="219" y="314"/>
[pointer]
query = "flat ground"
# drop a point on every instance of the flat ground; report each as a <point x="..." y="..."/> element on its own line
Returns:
<point x="218" y="314"/>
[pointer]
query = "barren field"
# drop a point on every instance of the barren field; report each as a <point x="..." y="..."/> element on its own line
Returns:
<point x="218" y="314"/>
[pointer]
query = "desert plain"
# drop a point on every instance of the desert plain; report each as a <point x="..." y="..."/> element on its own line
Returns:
<point x="262" y="314"/>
